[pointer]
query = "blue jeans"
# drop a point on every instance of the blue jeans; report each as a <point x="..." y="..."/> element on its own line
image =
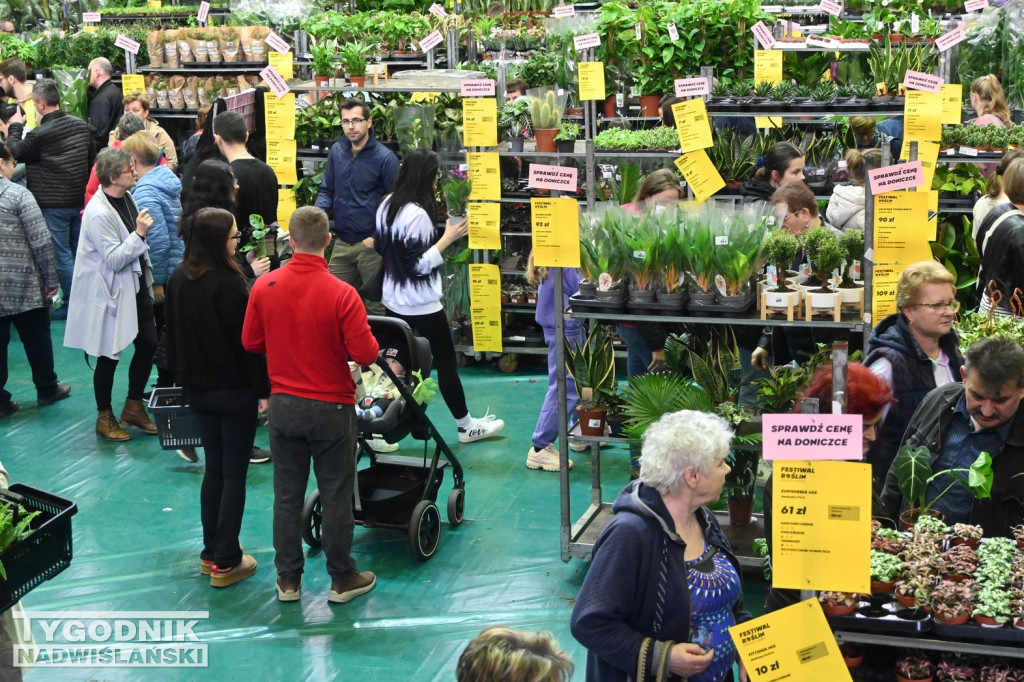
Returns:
<point x="65" y="224"/>
<point x="302" y="430"/>
<point x="547" y="424"/>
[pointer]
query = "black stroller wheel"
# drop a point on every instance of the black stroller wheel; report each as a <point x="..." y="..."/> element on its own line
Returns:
<point x="424" y="530"/>
<point x="312" y="515"/>
<point x="456" y="506"/>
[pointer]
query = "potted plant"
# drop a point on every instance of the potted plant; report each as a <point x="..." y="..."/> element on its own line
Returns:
<point x="737" y="258"/>
<point x="698" y="250"/>
<point x="546" y="108"/>
<point x="852" y="244"/>
<point x="603" y="247"/>
<point x="853" y="654"/>
<point x="915" y="668"/>
<point x="566" y="137"/>
<point x="672" y="264"/>
<point x="323" y="59"/>
<point x="952" y="602"/>
<point x="741" y="489"/>
<point x="959" y="563"/>
<point x="1018" y="535"/>
<point x="456" y="187"/>
<point x="780" y="247"/>
<point x="885" y="571"/>
<point x="838" y="603"/>
<point x="915" y="589"/>
<point x="888" y="540"/>
<point x="992" y="607"/>
<point x="592" y="367"/>
<point x="965" y="534"/>
<point x="354" y="57"/>
<point x="825" y="255"/>
<point x="414" y="126"/>
<point x="913" y="467"/>
<point x="643" y="241"/>
<point x="514" y="122"/>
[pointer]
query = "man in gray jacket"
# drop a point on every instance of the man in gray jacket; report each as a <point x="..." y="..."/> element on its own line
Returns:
<point x="58" y="154"/>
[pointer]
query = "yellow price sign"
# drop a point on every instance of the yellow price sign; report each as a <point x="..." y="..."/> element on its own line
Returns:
<point x="923" y="111"/>
<point x="793" y="644"/>
<point x="281" y="159"/>
<point x="282" y="63"/>
<point x="952" y="107"/>
<point x="485" y="306"/>
<point x="480" y="121"/>
<point x="154" y="4"/>
<point x="133" y="82"/>
<point x="484" y="225"/>
<point x="767" y="121"/>
<point x="692" y="125"/>
<point x="591" y="80"/>
<point x="485" y="174"/>
<point x="902" y="230"/>
<point x="928" y="155"/>
<point x="702" y="176"/>
<point x="821" y="527"/>
<point x="556" y="232"/>
<point x="884" y="280"/>
<point x="767" y="66"/>
<point x="279" y="115"/>
<point x="285" y="206"/>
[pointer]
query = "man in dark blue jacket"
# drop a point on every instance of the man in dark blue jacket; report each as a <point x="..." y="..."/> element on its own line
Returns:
<point x="360" y="173"/>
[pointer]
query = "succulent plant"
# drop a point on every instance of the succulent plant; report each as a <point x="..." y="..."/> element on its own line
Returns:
<point x="763" y="89"/>
<point x="545" y="113"/>
<point x="742" y="88"/>
<point x="783" y="92"/>
<point x="803" y="92"/>
<point x="824" y="92"/>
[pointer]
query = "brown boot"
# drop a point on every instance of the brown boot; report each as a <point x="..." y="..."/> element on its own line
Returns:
<point x="134" y="413"/>
<point x="108" y="427"/>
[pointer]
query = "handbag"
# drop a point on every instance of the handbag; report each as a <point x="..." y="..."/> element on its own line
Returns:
<point x="644" y="662"/>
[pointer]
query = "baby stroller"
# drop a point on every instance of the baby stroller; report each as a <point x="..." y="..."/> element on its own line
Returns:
<point x="399" y="491"/>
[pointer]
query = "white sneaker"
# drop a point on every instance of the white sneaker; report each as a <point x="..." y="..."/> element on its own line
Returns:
<point x="380" y="445"/>
<point x="546" y="459"/>
<point x="480" y="428"/>
<point x="578" y="447"/>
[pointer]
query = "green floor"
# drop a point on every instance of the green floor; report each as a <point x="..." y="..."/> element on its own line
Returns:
<point x="136" y="542"/>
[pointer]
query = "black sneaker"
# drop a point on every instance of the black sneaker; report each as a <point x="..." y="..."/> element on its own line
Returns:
<point x="188" y="454"/>
<point x="9" y="409"/>
<point x="259" y="455"/>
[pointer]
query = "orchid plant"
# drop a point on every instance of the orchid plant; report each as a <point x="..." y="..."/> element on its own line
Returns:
<point x="457" y="187"/>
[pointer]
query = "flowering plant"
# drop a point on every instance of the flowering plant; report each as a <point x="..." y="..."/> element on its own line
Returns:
<point x="456" y="187"/>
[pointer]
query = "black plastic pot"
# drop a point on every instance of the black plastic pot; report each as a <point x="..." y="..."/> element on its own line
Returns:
<point x="566" y="146"/>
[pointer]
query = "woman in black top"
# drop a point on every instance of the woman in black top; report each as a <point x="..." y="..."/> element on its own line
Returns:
<point x="207" y="296"/>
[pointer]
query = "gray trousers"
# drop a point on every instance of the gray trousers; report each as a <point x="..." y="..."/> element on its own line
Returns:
<point x="302" y="430"/>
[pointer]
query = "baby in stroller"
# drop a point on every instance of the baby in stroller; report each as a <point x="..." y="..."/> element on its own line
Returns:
<point x="380" y="389"/>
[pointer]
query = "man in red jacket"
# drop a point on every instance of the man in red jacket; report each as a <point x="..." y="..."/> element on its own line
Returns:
<point x="309" y="324"/>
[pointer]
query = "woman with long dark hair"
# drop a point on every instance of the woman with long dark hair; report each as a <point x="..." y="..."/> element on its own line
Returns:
<point x="407" y="240"/>
<point x="207" y="295"/>
<point x="213" y="186"/>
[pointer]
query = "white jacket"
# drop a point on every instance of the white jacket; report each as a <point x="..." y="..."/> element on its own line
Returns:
<point x="846" y="208"/>
<point x="102" y="315"/>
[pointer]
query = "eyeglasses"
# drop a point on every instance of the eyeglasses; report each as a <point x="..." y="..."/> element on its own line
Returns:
<point x="126" y="170"/>
<point x="953" y="305"/>
<point x="348" y="123"/>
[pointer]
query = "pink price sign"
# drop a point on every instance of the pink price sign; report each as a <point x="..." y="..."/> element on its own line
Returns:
<point x="586" y="40"/>
<point x="127" y="44"/>
<point x="561" y="178"/>
<point x="950" y="39"/>
<point x="563" y="11"/>
<point x="833" y="8"/>
<point x="763" y="35"/>
<point x="812" y="436"/>
<point x="975" y="5"/>
<point x="431" y="41"/>
<point x="278" y="43"/>
<point x="692" y="87"/>
<point x="476" y="87"/>
<point x="277" y="84"/>
<point x="923" y="81"/>
<point x="203" y="13"/>
<point x="892" y="178"/>
<point x="91" y="17"/>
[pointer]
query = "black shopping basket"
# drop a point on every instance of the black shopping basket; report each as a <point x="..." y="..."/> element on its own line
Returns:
<point x="174" y="419"/>
<point x="45" y="552"/>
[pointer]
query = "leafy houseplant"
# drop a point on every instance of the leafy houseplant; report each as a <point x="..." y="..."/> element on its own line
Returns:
<point x="414" y="126"/>
<point x="952" y="602"/>
<point x="913" y="467"/>
<point x="838" y="603"/>
<point x="780" y="247"/>
<point x="257" y="241"/>
<point x="457" y="188"/>
<point x="323" y="59"/>
<point x="354" y="57"/>
<point x="915" y="667"/>
<point x="592" y="367"/>
<point x="514" y="122"/>
<point x="738" y="257"/>
<point x="852" y="243"/>
<point x="885" y="569"/>
<point x="566" y="137"/>
<point x="13" y="528"/>
<point x="825" y="254"/>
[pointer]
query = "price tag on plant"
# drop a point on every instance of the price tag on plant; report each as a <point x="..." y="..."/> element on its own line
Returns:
<point x="692" y="87"/>
<point x="950" y="39"/>
<point x="673" y="32"/>
<point x="431" y="41"/>
<point x="278" y="43"/>
<point x="91" y="17"/>
<point x="763" y="35"/>
<point x="563" y="11"/>
<point x="277" y="84"/>
<point x="127" y="44"/>
<point x="975" y="5"/>
<point x="832" y="7"/>
<point x="203" y="13"/>
<point x="586" y="40"/>
<point x="923" y="81"/>
<point x="437" y="11"/>
<point x="133" y="82"/>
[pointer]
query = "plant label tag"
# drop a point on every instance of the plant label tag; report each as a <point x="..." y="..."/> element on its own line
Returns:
<point x="639" y="255"/>
<point x="477" y="87"/>
<point x="561" y="178"/>
<point x="278" y="43"/>
<point x="563" y="11"/>
<point x="639" y="33"/>
<point x="975" y="5"/>
<point x="763" y="35"/>
<point x="722" y="240"/>
<point x="620" y="100"/>
<point x="594" y="423"/>
<point x="203" y="13"/>
<point x="692" y="87"/>
<point x="900" y="176"/>
<point x="950" y="39"/>
<point x="923" y="81"/>
<point x="430" y="41"/>
<point x="772" y="274"/>
<point x="673" y="32"/>
<point x="127" y="44"/>
<point x="832" y="7"/>
<point x="915" y="24"/>
<point x="437" y="11"/>
<point x="586" y="40"/>
<point x="91" y="17"/>
<point x="968" y="151"/>
<point x="274" y="80"/>
<point x="812" y="436"/>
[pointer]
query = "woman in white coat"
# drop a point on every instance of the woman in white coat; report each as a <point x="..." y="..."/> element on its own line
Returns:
<point x="115" y="306"/>
<point x="846" y="207"/>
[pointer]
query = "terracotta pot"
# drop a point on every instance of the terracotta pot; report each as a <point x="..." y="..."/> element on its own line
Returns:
<point x="592" y="421"/>
<point x="609" y="107"/>
<point x="908" y="518"/>
<point x="649" y="105"/>
<point x="955" y="577"/>
<point x="740" y="511"/>
<point x="838" y="609"/>
<point x="853" y="661"/>
<point x="357" y="81"/>
<point x="900" y="678"/>
<point x="877" y="586"/>
<point x="1020" y="544"/>
<point x="909" y="602"/>
<point x="972" y="542"/>
<point x="321" y="80"/>
<point x="956" y="620"/>
<point x="546" y="139"/>
<point x="986" y="622"/>
<point x="1019" y="623"/>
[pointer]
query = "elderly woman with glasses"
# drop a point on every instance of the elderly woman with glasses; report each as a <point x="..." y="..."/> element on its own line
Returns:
<point x="115" y="306"/>
<point x="664" y="587"/>
<point x="915" y="350"/>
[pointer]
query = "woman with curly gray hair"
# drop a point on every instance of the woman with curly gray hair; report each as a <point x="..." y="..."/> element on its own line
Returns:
<point x="664" y="587"/>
